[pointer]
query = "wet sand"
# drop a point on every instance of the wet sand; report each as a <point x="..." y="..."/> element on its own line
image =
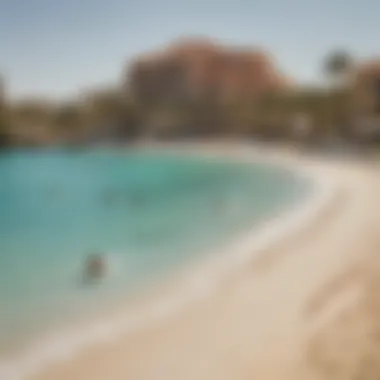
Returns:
<point x="305" y="308"/>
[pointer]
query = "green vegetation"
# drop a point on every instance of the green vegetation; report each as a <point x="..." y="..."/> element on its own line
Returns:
<point x="337" y="66"/>
<point x="270" y="116"/>
<point x="113" y="112"/>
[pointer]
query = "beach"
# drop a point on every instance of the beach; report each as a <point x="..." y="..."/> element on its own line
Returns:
<point x="275" y="314"/>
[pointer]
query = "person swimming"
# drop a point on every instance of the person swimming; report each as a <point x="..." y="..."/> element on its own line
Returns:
<point x="95" y="267"/>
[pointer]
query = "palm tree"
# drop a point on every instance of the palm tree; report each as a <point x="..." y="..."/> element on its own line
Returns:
<point x="338" y="67"/>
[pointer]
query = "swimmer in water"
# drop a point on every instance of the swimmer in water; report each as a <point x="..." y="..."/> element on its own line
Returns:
<point x="95" y="267"/>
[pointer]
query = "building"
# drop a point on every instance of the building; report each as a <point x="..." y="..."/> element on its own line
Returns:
<point x="188" y="70"/>
<point x="366" y="86"/>
<point x="365" y="102"/>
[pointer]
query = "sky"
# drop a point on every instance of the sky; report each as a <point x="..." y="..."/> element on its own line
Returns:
<point x="57" y="48"/>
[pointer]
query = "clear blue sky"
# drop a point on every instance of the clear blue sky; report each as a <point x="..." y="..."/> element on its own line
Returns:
<point x="55" y="47"/>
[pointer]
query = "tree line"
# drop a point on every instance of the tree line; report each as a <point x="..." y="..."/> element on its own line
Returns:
<point x="115" y="113"/>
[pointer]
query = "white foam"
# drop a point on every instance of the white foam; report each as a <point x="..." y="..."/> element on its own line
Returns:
<point x="196" y="284"/>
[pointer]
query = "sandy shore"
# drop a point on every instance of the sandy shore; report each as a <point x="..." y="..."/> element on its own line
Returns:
<point x="277" y="316"/>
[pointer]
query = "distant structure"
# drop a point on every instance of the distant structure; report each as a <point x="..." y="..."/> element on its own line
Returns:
<point x="106" y="134"/>
<point x="192" y="69"/>
<point x="302" y="126"/>
<point x="366" y="84"/>
<point x="366" y="101"/>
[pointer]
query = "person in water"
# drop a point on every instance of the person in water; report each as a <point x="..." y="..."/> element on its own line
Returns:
<point x="95" y="266"/>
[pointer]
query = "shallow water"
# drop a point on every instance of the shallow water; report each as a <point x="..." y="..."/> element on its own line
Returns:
<point x="147" y="213"/>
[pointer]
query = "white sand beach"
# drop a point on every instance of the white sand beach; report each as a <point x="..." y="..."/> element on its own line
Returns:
<point x="276" y="315"/>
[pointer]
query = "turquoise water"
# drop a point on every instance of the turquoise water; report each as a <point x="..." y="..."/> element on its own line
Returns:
<point x="148" y="213"/>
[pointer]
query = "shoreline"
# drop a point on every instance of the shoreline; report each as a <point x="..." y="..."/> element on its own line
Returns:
<point x="196" y="283"/>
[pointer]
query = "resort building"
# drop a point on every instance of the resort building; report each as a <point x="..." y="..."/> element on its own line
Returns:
<point x="199" y="69"/>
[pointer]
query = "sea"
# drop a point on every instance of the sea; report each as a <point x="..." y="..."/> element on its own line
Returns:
<point x="147" y="214"/>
